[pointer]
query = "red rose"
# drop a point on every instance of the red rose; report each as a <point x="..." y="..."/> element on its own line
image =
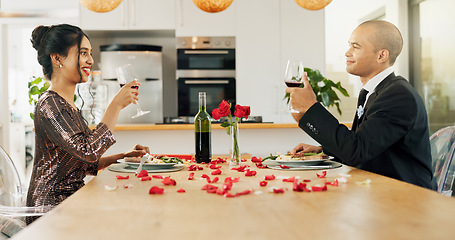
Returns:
<point x="216" y="114"/>
<point x="242" y="111"/>
<point x="224" y="108"/>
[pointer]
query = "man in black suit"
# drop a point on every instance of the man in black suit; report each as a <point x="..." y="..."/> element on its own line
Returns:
<point x="390" y="133"/>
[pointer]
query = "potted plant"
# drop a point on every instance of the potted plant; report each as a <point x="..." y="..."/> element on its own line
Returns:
<point x="36" y="86"/>
<point x="324" y="89"/>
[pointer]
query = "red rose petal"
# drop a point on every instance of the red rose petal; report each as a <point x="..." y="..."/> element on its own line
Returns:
<point x="278" y="190"/>
<point x="256" y="160"/>
<point x="250" y="173"/>
<point x="216" y="172"/>
<point x="214" y="166"/>
<point x="291" y="179"/>
<point x="243" y="192"/>
<point x="122" y="177"/>
<point x="169" y="181"/>
<point x="191" y="176"/>
<point x="156" y="190"/>
<point x="284" y="166"/>
<point x="157" y="176"/>
<point x="181" y="190"/>
<point x="263" y="183"/>
<point x="147" y="178"/>
<point x="322" y="175"/>
<point x="269" y="177"/>
<point x="333" y="183"/>
<point x="319" y="188"/>
<point x="142" y="173"/>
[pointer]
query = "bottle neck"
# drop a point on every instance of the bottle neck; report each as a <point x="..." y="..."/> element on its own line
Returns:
<point x="202" y="102"/>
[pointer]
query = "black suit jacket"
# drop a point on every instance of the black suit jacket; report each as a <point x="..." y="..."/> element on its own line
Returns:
<point x="392" y="138"/>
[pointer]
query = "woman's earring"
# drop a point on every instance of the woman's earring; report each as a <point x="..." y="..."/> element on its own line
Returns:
<point x="61" y="66"/>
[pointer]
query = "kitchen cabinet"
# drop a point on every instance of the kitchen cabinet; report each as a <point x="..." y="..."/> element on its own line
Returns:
<point x="192" y="21"/>
<point x="132" y="15"/>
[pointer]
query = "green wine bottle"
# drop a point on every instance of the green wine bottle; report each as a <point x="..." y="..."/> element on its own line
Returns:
<point x="202" y="129"/>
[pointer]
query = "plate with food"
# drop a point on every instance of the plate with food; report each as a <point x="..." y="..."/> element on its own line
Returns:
<point x="152" y="162"/>
<point x="306" y="159"/>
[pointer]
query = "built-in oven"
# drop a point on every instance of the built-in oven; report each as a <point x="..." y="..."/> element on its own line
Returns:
<point x="205" y="64"/>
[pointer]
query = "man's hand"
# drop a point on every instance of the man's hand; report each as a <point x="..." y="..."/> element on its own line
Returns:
<point x="302" y="98"/>
<point x="305" y="148"/>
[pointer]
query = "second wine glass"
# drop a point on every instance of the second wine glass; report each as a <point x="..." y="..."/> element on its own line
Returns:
<point x="126" y="74"/>
<point x="293" y="76"/>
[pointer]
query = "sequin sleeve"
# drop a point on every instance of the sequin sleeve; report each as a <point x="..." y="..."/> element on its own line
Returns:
<point x="71" y="133"/>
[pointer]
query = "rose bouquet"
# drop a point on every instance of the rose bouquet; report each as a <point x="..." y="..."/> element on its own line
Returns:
<point x="231" y="125"/>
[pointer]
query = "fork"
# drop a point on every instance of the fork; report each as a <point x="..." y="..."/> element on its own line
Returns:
<point x="141" y="163"/>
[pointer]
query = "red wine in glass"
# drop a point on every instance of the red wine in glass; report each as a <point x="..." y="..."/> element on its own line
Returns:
<point x="126" y="74"/>
<point x="293" y="84"/>
<point x="135" y="87"/>
<point x="293" y="76"/>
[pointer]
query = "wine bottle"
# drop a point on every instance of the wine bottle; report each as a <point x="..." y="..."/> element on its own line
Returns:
<point x="202" y="129"/>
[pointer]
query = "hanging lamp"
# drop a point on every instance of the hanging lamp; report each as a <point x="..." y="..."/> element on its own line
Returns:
<point x="313" y="4"/>
<point x="212" y="6"/>
<point x="100" y="6"/>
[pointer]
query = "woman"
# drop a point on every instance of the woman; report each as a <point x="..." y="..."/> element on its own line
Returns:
<point x="66" y="149"/>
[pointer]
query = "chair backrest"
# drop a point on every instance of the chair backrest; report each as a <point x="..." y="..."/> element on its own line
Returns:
<point x="443" y="162"/>
<point x="10" y="183"/>
<point x="12" y="195"/>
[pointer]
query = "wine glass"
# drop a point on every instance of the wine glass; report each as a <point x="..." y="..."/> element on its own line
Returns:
<point x="126" y="74"/>
<point x="293" y="76"/>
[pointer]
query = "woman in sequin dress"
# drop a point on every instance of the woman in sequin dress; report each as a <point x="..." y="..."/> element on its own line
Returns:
<point x="66" y="149"/>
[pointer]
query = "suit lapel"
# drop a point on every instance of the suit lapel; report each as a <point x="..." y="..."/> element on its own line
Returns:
<point x="371" y="99"/>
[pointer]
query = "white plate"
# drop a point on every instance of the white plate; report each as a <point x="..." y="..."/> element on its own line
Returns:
<point x="300" y="163"/>
<point x="146" y="165"/>
<point x="324" y="165"/>
<point x="121" y="167"/>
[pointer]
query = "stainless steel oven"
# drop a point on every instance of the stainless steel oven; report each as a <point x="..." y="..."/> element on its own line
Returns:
<point x="205" y="64"/>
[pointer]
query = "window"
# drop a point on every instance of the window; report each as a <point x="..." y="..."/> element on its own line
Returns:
<point x="432" y="54"/>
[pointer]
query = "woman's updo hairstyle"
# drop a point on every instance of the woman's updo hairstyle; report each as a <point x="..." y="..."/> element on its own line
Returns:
<point x="55" y="39"/>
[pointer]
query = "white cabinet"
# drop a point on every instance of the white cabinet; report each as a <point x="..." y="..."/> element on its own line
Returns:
<point x="131" y="15"/>
<point x="192" y="21"/>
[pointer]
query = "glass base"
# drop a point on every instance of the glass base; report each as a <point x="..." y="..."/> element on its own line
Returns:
<point x="141" y="113"/>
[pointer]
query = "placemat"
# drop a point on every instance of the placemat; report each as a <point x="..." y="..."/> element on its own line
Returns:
<point x="121" y="167"/>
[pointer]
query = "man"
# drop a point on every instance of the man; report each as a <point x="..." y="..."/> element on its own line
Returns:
<point x="390" y="133"/>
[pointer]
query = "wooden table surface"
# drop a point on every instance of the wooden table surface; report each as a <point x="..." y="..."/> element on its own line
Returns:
<point x="384" y="209"/>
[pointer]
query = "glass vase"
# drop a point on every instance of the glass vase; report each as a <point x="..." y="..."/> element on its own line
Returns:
<point x="234" y="152"/>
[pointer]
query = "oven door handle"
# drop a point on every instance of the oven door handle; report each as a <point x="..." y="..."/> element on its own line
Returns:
<point x="206" y="81"/>
<point x="206" y="52"/>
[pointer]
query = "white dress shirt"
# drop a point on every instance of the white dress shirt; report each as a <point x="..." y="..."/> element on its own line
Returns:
<point x="375" y="81"/>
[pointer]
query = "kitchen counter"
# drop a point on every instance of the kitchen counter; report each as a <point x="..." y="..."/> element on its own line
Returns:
<point x="259" y="139"/>
<point x="146" y="127"/>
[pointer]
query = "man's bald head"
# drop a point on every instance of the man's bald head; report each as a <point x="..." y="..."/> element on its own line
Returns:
<point x="386" y="36"/>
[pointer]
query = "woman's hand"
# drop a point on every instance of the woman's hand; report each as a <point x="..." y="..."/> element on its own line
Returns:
<point x="305" y="148"/>
<point x="137" y="151"/>
<point x="127" y="95"/>
<point x="124" y="97"/>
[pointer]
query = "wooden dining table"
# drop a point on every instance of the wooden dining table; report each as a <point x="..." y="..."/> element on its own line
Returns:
<point x="363" y="206"/>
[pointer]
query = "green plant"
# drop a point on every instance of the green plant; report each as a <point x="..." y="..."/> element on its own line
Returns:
<point x="324" y="89"/>
<point x="36" y="86"/>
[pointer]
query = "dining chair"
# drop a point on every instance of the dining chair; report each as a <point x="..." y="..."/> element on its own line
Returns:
<point x="443" y="162"/>
<point x="12" y="199"/>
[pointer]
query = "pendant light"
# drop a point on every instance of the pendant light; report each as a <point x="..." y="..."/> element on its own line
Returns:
<point x="100" y="6"/>
<point x="313" y="4"/>
<point x="212" y="6"/>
